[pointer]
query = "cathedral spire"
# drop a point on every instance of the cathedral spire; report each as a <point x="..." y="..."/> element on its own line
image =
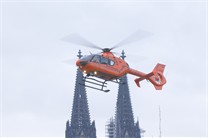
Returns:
<point x="125" y="127"/>
<point x="79" y="54"/>
<point x="123" y="56"/>
<point x="124" y="120"/>
<point x="80" y="125"/>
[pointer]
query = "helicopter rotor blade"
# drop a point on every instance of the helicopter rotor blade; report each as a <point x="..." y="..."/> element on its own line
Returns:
<point x="136" y="36"/>
<point x="79" y="40"/>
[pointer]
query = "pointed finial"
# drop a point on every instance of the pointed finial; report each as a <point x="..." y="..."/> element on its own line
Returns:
<point x="123" y="54"/>
<point x="67" y="124"/>
<point x="79" y="54"/>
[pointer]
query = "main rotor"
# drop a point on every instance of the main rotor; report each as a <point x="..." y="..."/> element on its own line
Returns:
<point x="106" y="49"/>
<point x="79" y="40"/>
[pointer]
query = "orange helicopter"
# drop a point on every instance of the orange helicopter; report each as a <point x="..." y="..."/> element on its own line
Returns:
<point x="103" y="67"/>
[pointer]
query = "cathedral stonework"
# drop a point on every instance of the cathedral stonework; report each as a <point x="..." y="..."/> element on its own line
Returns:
<point x="80" y="125"/>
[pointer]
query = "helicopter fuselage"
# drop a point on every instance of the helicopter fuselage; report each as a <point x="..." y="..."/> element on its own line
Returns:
<point x="105" y="66"/>
<point x="109" y="67"/>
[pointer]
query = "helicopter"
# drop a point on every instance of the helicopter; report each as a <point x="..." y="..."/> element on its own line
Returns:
<point x="106" y="66"/>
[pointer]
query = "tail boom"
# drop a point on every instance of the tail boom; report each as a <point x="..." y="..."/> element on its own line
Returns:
<point x="156" y="77"/>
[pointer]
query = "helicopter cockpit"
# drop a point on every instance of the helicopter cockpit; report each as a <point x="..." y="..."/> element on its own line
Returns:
<point x="87" y="58"/>
<point x="98" y="59"/>
<point x="102" y="60"/>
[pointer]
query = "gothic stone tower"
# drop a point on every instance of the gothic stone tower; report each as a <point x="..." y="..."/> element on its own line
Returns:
<point x="124" y="119"/>
<point x="80" y="125"/>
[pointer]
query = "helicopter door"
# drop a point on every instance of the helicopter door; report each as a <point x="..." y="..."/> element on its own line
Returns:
<point x="104" y="60"/>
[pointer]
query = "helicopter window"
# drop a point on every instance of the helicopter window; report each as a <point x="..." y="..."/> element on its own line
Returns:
<point x="96" y="59"/>
<point x="111" y="62"/>
<point x="104" y="60"/>
<point x="88" y="58"/>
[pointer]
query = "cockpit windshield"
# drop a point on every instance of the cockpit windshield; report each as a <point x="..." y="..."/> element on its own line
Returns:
<point x="102" y="60"/>
<point x="87" y="58"/>
<point x="98" y="59"/>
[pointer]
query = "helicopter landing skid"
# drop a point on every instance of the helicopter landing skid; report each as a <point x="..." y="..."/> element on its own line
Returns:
<point x="101" y="84"/>
<point x="117" y="81"/>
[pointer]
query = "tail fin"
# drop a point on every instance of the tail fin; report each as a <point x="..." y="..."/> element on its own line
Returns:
<point x="156" y="77"/>
<point x="159" y="68"/>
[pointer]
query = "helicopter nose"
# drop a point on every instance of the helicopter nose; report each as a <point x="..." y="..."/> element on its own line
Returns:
<point x="81" y="63"/>
<point x="77" y="63"/>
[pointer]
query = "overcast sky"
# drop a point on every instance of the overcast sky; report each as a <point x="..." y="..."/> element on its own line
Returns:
<point x="38" y="87"/>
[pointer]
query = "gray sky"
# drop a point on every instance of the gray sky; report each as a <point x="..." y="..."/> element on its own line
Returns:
<point x="37" y="87"/>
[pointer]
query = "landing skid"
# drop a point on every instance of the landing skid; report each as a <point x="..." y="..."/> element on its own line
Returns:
<point x="95" y="82"/>
<point x="99" y="82"/>
<point x="95" y="88"/>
